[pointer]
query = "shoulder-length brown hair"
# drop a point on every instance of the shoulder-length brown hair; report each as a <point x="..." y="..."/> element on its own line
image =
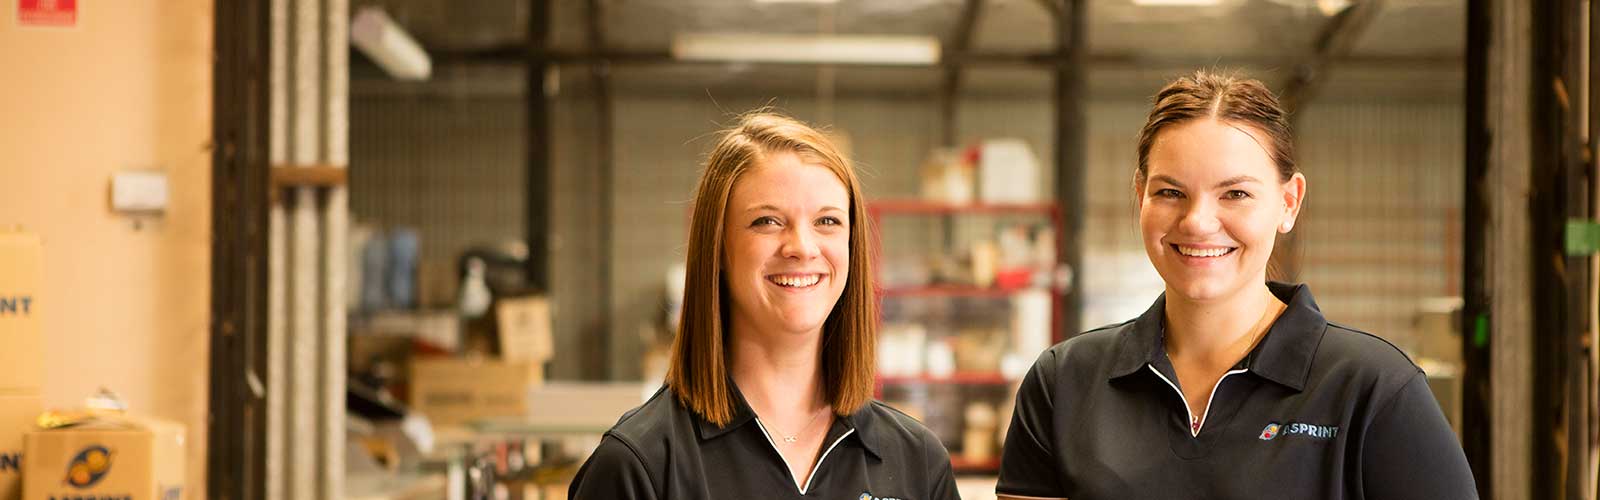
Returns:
<point x="698" y="370"/>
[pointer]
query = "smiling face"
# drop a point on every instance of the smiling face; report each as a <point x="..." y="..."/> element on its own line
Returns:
<point x="786" y="247"/>
<point x="1211" y="207"/>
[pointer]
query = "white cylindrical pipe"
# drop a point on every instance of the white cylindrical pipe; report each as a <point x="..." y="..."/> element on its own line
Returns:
<point x="335" y="233"/>
<point x="387" y="44"/>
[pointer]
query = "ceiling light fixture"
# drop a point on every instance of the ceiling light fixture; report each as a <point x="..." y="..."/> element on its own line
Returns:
<point x="807" y="49"/>
<point x="387" y="44"/>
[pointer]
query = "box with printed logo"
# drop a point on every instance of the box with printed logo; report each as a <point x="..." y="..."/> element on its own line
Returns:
<point x="17" y="413"/>
<point x="105" y="458"/>
<point x="21" y="268"/>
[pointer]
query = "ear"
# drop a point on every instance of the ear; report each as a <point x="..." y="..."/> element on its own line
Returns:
<point x="1294" y="196"/>
<point x="1138" y="196"/>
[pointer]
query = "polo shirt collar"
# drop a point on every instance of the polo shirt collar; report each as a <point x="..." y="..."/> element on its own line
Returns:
<point x="860" y="421"/>
<point x="1283" y="356"/>
<point x="866" y="432"/>
<point x="742" y="414"/>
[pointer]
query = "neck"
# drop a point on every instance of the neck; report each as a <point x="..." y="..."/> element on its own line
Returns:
<point x="1220" y="331"/>
<point x="778" y="373"/>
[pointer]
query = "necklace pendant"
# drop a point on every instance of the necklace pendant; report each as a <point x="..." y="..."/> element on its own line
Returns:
<point x="790" y="439"/>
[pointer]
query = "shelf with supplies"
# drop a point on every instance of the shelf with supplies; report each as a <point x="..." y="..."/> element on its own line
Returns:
<point x="945" y="208"/>
<point x="958" y="378"/>
<point x="949" y="291"/>
<point x="964" y="466"/>
<point x="968" y="294"/>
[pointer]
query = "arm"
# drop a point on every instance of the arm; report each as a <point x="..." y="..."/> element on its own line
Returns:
<point x="1409" y="450"/>
<point x="1028" y="462"/>
<point x="614" y="471"/>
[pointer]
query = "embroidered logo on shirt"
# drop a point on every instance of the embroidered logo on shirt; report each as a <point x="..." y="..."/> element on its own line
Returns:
<point x="1271" y="431"/>
<point x="868" y="496"/>
<point x="1313" y="431"/>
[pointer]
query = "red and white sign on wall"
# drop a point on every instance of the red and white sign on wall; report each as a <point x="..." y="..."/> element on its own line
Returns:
<point x="58" y="13"/>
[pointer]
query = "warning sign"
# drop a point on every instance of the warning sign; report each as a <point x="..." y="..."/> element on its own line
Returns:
<point x="57" y="13"/>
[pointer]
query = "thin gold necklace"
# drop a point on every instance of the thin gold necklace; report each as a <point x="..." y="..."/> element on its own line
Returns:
<point x="795" y="437"/>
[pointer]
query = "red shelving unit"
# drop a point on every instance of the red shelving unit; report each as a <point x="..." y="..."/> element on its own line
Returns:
<point x="934" y="207"/>
<point x="986" y="385"/>
<point x="958" y="378"/>
<point x="962" y="465"/>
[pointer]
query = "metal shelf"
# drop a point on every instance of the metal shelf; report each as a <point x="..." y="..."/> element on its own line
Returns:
<point x="899" y="207"/>
<point x="958" y="378"/>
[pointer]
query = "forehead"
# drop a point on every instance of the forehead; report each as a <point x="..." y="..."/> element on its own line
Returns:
<point x="785" y="180"/>
<point x="1210" y="149"/>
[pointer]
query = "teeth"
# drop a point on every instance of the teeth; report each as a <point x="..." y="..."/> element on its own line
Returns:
<point x="797" y="282"/>
<point x="1203" y="252"/>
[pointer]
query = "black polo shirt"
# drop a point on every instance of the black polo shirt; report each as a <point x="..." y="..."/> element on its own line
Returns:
<point x="662" y="450"/>
<point x="1315" y="411"/>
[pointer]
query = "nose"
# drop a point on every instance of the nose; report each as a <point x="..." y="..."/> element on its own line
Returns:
<point x="1199" y="217"/>
<point x="799" y="243"/>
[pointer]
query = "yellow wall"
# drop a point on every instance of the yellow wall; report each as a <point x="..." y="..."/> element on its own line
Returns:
<point x="128" y="88"/>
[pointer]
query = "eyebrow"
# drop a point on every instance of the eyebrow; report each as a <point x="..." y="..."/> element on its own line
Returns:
<point x="1241" y="179"/>
<point x="774" y="208"/>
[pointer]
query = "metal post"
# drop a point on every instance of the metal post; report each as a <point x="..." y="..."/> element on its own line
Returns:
<point x="600" y="73"/>
<point x="1071" y="163"/>
<point x="1476" y="390"/>
<point x="235" y="444"/>
<point x="539" y="188"/>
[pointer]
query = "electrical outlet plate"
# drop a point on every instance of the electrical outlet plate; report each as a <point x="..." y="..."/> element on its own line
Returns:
<point x="140" y="191"/>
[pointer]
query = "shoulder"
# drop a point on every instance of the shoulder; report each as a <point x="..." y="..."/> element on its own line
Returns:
<point x="648" y="429"/>
<point x="894" y="428"/>
<point x="1356" y="349"/>
<point x="1087" y="351"/>
<point x="1348" y="355"/>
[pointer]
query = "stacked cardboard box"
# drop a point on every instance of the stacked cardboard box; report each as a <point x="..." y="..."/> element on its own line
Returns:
<point x="21" y="269"/>
<point x="454" y="391"/>
<point x="104" y="457"/>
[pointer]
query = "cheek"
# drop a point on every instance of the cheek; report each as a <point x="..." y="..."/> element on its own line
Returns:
<point x="837" y="251"/>
<point x="1153" y="221"/>
<point x="742" y="254"/>
<point x="1257" y="228"/>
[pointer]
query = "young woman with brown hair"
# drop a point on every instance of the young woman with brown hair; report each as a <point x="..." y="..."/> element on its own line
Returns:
<point x="769" y="388"/>
<point x="1228" y="386"/>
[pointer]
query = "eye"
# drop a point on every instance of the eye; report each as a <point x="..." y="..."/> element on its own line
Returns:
<point x="830" y="221"/>
<point x="1168" y="193"/>
<point x="1236" y="195"/>
<point x="765" y="221"/>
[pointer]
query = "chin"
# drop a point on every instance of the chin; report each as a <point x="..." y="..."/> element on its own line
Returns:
<point x="1201" y="289"/>
<point x="804" y="324"/>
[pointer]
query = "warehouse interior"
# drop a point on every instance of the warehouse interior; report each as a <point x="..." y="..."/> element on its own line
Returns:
<point x="429" y="249"/>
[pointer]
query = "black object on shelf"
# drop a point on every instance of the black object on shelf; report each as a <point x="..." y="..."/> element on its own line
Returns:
<point x="370" y="403"/>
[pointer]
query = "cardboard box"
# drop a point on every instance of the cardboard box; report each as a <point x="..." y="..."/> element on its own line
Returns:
<point x="524" y="324"/>
<point x="17" y="414"/>
<point x="1439" y="330"/>
<point x="454" y="391"/>
<point x="107" y="457"/>
<point x="21" y="348"/>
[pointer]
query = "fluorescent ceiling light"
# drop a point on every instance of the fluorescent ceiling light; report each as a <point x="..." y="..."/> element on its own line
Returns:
<point x="1175" y="3"/>
<point x="386" y="43"/>
<point x="807" y="49"/>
